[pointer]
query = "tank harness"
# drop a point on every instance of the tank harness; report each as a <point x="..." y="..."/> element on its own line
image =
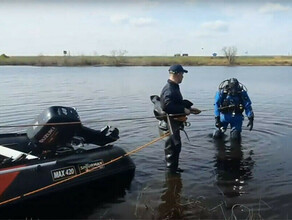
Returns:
<point x="226" y="105"/>
<point x="165" y="119"/>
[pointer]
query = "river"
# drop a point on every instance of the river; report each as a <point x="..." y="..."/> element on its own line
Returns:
<point x="220" y="180"/>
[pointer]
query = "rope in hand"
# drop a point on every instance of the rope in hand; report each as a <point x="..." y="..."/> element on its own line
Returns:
<point x="98" y="121"/>
<point x="87" y="171"/>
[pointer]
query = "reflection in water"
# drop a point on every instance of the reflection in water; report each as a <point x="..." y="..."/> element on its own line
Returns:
<point x="232" y="169"/>
<point x="35" y="88"/>
<point x="174" y="205"/>
<point x="74" y="203"/>
<point x="171" y="206"/>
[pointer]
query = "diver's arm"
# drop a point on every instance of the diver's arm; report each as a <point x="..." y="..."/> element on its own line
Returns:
<point x="247" y="105"/>
<point x="217" y="104"/>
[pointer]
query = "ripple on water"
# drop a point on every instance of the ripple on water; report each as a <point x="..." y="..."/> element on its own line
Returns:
<point x="257" y="171"/>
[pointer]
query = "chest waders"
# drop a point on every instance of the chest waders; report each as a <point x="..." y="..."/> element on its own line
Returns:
<point x="172" y="147"/>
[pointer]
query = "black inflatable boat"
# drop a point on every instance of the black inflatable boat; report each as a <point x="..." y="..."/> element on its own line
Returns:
<point x="56" y="153"/>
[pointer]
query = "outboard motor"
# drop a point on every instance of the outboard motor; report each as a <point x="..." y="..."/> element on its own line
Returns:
<point x="59" y="129"/>
<point x="49" y="137"/>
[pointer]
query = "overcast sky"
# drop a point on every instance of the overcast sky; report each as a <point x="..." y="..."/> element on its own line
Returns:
<point x="145" y="27"/>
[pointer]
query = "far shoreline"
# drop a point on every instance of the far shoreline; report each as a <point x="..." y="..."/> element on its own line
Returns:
<point x="119" y="61"/>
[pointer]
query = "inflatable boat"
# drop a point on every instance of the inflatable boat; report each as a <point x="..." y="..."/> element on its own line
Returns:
<point x="58" y="152"/>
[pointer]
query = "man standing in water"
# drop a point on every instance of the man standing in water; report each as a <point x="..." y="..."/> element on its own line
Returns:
<point x="230" y="101"/>
<point x="172" y="102"/>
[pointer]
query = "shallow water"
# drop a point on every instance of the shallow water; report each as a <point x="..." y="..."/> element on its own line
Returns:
<point x="220" y="180"/>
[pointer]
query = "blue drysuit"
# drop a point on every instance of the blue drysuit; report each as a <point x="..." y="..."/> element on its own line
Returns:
<point x="230" y="107"/>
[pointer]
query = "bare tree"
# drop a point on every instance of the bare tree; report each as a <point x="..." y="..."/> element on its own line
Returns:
<point x="118" y="56"/>
<point x="230" y="54"/>
<point x="122" y="53"/>
<point x="113" y="53"/>
<point x="118" y="53"/>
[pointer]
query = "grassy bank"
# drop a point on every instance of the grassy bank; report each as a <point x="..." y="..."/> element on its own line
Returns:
<point x="143" y="60"/>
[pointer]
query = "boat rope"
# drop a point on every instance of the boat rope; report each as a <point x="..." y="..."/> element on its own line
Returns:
<point x="98" y="121"/>
<point x="87" y="171"/>
<point x="206" y="110"/>
<point x="46" y="124"/>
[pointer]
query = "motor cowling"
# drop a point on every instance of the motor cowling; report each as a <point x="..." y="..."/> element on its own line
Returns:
<point x="63" y="124"/>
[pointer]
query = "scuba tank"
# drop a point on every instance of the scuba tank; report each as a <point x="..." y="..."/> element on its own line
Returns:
<point x="227" y="85"/>
<point x="231" y="88"/>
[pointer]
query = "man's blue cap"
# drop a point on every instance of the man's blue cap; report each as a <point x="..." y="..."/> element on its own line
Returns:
<point x="177" y="68"/>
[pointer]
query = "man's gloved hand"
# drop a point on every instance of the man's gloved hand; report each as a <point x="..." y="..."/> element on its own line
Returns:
<point x="195" y="111"/>
<point x="250" y="123"/>
<point x="187" y="103"/>
<point x="217" y="122"/>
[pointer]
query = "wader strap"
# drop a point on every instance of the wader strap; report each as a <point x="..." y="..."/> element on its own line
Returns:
<point x="169" y="124"/>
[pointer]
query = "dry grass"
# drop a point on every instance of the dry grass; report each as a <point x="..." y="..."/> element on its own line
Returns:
<point x="143" y="60"/>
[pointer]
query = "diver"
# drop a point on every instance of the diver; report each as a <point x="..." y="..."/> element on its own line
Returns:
<point x="231" y="100"/>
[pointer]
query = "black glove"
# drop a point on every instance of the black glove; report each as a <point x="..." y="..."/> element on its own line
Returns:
<point x="250" y="123"/>
<point x="217" y="122"/>
<point x="187" y="103"/>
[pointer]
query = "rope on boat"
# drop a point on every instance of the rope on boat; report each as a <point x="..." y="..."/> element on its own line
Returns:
<point x="118" y="119"/>
<point x="46" y="124"/>
<point x="74" y="123"/>
<point x="87" y="171"/>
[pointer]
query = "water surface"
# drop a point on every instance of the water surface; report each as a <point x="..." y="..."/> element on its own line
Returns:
<point x="220" y="179"/>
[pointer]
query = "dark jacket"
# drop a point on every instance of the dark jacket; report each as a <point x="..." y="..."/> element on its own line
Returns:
<point x="171" y="99"/>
